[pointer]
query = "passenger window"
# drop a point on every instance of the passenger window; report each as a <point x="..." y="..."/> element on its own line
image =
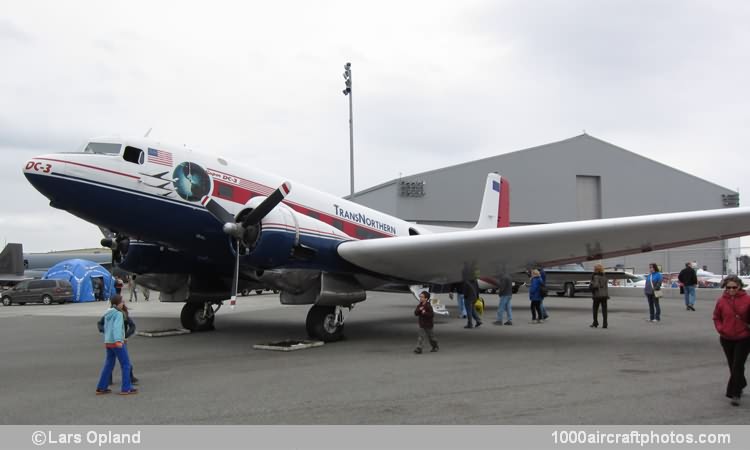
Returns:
<point x="35" y="284"/>
<point x="102" y="148"/>
<point x="132" y="154"/>
<point x="338" y="224"/>
<point x="313" y="214"/>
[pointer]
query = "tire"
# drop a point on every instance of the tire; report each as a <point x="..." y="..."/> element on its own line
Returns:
<point x="570" y="290"/>
<point x="192" y="318"/>
<point x="7" y="301"/>
<point x="320" y="324"/>
<point x="245" y="292"/>
<point x="46" y="299"/>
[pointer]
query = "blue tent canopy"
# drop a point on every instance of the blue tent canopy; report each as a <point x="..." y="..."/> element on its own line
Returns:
<point x="80" y="273"/>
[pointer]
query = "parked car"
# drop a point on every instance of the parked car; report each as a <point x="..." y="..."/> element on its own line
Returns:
<point x="44" y="291"/>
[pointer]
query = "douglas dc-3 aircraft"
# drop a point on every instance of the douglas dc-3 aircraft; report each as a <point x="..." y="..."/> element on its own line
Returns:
<point x="192" y="225"/>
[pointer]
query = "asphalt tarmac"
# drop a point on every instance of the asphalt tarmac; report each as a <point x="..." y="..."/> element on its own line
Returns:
<point x="558" y="372"/>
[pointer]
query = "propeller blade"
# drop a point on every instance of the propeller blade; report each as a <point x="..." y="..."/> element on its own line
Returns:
<point x="257" y="214"/>
<point x="235" y="277"/>
<point x="217" y="210"/>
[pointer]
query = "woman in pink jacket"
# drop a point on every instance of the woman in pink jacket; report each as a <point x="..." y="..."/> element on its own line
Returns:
<point x="731" y="317"/>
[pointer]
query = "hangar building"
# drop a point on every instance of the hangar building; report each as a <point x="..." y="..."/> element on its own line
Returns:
<point x="575" y="179"/>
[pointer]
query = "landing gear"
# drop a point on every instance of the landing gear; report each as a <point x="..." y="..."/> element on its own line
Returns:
<point x="325" y="323"/>
<point x="197" y="316"/>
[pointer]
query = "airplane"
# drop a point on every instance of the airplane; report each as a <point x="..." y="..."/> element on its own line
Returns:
<point x="192" y="225"/>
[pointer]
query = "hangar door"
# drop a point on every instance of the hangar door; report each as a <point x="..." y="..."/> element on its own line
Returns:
<point x="588" y="197"/>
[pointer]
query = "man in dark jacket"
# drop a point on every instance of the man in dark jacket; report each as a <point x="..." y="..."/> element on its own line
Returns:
<point x="425" y="314"/>
<point x="689" y="279"/>
<point x="470" y="288"/>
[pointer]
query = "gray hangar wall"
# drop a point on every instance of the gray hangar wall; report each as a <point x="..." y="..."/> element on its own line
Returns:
<point x="579" y="178"/>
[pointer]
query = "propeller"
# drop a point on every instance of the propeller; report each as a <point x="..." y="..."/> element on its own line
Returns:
<point x="246" y="231"/>
<point x="118" y="244"/>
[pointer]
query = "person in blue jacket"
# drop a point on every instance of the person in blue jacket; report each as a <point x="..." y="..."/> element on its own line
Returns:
<point x="129" y="331"/>
<point x="653" y="292"/>
<point x="114" y="342"/>
<point x="535" y="295"/>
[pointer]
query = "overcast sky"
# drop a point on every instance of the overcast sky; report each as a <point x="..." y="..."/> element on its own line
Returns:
<point x="436" y="83"/>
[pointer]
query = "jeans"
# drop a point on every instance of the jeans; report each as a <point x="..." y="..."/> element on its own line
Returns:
<point x="471" y="312"/>
<point x="690" y="295"/>
<point x="536" y="310"/>
<point x="654" y="311"/>
<point x="504" y="307"/>
<point x="603" y="303"/>
<point x="121" y="354"/>
<point x="461" y="305"/>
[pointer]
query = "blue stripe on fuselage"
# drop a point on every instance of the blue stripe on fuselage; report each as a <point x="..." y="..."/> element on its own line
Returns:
<point x="153" y="218"/>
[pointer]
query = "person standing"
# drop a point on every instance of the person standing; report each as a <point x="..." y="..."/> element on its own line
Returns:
<point x="543" y="277"/>
<point x="470" y="289"/>
<point x="133" y="289"/>
<point x="535" y="296"/>
<point x="689" y="279"/>
<point x="426" y="324"/>
<point x="114" y="342"/>
<point x="460" y="301"/>
<point x="600" y="295"/>
<point x="505" y="293"/>
<point x="653" y="293"/>
<point x="731" y="319"/>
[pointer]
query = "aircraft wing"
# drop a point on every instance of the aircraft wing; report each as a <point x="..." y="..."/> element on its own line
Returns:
<point x="448" y="257"/>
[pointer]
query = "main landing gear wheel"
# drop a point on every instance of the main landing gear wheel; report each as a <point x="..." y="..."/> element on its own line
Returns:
<point x="325" y="323"/>
<point x="197" y="316"/>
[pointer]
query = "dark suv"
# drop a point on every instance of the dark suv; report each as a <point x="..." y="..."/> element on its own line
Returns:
<point x="45" y="291"/>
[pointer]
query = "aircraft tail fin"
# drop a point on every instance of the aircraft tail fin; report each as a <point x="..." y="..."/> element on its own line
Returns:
<point x="495" y="211"/>
<point x="11" y="260"/>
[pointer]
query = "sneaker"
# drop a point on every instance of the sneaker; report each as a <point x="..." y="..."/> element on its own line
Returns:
<point x="130" y="392"/>
<point x="479" y="324"/>
<point x="434" y="349"/>
<point x="691" y="307"/>
<point x="735" y="401"/>
<point x="604" y="326"/>
<point x="508" y="323"/>
<point x="546" y="316"/>
<point x="133" y="380"/>
<point x="103" y="391"/>
<point x="417" y="350"/>
<point x="594" y="325"/>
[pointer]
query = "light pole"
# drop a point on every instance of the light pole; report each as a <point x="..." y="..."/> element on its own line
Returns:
<point x="348" y="91"/>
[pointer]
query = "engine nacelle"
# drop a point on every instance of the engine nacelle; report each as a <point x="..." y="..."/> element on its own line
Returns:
<point x="286" y="237"/>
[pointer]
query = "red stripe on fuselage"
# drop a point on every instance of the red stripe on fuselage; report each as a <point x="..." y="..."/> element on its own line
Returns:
<point x="241" y="195"/>
<point x="90" y="167"/>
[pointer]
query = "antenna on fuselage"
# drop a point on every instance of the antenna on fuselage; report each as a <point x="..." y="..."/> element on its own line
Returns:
<point x="148" y="132"/>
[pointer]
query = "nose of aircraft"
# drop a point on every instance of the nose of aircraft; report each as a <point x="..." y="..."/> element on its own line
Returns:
<point x="39" y="171"/>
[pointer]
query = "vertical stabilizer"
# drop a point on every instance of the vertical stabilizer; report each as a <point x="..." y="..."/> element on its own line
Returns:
<point x="11" y="260"/>
<point x="495" y="211"/>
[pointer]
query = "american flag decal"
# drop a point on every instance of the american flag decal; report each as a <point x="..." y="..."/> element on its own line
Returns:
<point x="159" y="157"/>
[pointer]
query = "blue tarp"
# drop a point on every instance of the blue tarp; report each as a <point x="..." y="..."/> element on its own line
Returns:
<point x="80" y="273"/>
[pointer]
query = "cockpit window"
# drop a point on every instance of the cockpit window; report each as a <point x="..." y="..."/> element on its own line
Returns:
<point x="132" y="154"/>
<point x="101" y="147"/>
